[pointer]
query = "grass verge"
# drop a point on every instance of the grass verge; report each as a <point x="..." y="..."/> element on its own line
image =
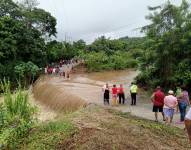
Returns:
<point x="48" y="135"/>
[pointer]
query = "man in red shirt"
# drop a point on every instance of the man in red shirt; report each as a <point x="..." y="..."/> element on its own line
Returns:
<point x="158" y="101"/>
<point x="121" y="94"/>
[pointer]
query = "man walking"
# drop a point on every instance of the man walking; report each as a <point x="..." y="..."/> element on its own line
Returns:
<point x="158" y="101"/>
<point x="133" y="91"/>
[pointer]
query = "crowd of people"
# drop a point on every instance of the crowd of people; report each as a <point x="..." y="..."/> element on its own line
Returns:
<point x="61" y="68"/>
<point x="167" y="105"/>
<point x="174" y="102"/>
<point x="118" y="94"/>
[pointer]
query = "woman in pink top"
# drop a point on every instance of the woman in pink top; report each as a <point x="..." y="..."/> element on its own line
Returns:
<point x="170" y="103"/>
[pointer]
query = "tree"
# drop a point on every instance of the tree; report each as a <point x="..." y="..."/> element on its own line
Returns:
<point x="21" y="36"/>
<point x="38" y="18"/>
<point x="26" y="72"/>
<point x="80" y="45"/>
<point x="29" y="4"/>
<point x="168" y="35"/>
<point x="9" y="8"/>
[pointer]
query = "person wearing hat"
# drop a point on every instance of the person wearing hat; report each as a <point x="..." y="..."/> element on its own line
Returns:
<point x="158" y="101"/>
<point x="170" y="103"/>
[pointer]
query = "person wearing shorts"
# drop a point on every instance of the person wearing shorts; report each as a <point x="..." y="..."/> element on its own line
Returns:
<point x="158" y="101"/>
<point x="170" y="103"/>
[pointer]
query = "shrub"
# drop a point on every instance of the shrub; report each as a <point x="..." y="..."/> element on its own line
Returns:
<point x="16" y="116"/>
<point x="26" y="72"/>
<point x="97" y="61"/>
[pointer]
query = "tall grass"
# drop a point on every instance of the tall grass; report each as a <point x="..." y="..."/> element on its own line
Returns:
<point x="16" y="116"/>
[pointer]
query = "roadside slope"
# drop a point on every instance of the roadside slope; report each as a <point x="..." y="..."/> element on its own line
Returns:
<point x="96" y="127"/>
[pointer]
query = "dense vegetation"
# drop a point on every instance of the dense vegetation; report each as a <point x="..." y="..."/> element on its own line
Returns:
<point x="107" y="54"/>
<point x="16" y="117"/>
<point x="163" y="55"/>
<point x="24" y="30"/>
<point x="166" y="59"/>
<point x="22" y="27"/>
<point x="24" y="48"/>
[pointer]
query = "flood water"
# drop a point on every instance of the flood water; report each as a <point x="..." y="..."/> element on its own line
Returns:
<point x="82" y="89"/>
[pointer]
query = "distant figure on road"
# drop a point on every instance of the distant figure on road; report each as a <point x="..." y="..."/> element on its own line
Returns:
<point x="121" y="94"/>
<point x="114" y="95"/>
<point x="68" y="69"/>
<point x="106" y="92"/>
<point x="178" y="94"/>
<point x="158" y="101"/>
<point x="133" y="91"/>
<point x="46" y="70"/>
<point x="61" y="70"/>
<point x="170" y="103"/>
<point x="54" y="71"/>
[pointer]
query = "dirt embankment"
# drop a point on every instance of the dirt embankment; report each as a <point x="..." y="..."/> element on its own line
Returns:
<point x="108" y="129"/>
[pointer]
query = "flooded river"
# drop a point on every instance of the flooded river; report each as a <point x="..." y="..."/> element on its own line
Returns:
<point x="80" y="90"/>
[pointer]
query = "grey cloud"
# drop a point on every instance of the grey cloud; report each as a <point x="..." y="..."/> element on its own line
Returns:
<point x="89" y="19"/>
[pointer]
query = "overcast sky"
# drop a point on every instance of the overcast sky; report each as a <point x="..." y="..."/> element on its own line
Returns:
<point x="89" y="19"/>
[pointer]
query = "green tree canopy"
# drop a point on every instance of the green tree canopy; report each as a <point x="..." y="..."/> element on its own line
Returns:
<point x="167" y="56"/>
<point x="22" y="29"/>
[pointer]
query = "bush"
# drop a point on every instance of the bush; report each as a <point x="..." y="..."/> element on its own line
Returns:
<point x="16" y="117"/>
<point x="97" y="61"/>
<point x="26" y="72"/>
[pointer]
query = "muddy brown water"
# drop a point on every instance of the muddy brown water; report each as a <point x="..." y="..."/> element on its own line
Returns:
<point x="59" y="94"/>
<point x="84" y="88"/>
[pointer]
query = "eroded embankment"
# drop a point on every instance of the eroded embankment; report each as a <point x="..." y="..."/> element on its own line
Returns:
<point x="55" y="97"/>
<point x="96" y="128"/>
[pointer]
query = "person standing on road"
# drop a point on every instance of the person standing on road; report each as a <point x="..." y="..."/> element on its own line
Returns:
<point x="46" y="70"/>
<point x="114" y="95"/>
<point x="178" y="94"/>
<point x="121" y="94"/>
<point x="133" y="91"/>
<point x="158" y="101"/>
<point x="170" y="103"/>
<point x="54" y="71"/>
<point x="106" y="94"/>
<point x="183" y="102"/>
